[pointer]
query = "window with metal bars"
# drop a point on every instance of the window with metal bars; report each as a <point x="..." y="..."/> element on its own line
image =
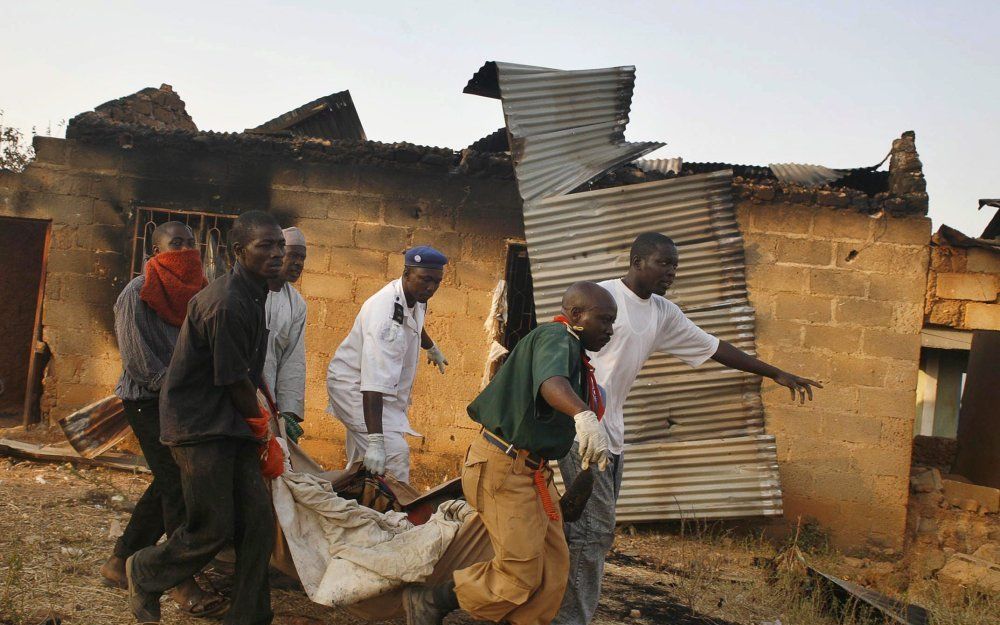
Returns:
<point x="211" y="234"/>
<point x="520" y="296"/>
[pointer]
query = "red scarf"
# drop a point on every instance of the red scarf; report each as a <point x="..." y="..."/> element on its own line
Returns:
<point x="172" y="279"/>
<point x="594" y="397"/>
<point x="272" y="460"/>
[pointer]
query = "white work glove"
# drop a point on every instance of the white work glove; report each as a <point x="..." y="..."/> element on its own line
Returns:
<point x="375" y="454"/>
<point x="592" y="439"/>
<point x="434" y="356"/>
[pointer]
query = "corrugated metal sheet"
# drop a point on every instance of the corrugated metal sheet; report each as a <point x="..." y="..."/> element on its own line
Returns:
<point x="696" y="442"/>
<point x="662" y="165"/>
<point x="715" y="478"/>
<point x="566" y="127"/>
<point x="805" y="175"/>
<point x="330" y="117"/>
<point x="669" y="400"/>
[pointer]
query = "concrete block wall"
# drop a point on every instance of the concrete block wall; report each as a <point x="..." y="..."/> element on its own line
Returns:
<point x="839" y="298"/>
<point x="357" y="218"/>
<point x="963" y="288"/>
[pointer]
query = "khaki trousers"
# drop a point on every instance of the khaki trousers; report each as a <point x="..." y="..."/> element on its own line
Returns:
<point x="524" y="582"/>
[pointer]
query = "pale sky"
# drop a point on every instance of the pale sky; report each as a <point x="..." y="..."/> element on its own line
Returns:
<point x="753" y="83"/>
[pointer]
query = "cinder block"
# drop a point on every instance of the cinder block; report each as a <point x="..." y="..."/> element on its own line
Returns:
<point x="816" y="309"/>
<point x="315" y="311"/>
<point x="805" y="252"/>
<point x="907" y="318"/>
<point x="901" y="375"/>
<point x="810" y="364"/>
<point x="379" y="237"/>
<point x="838" y="282"/>
<point x="448" y="302"/>
<point x="418" y="213"/>
<point x="71" y="261"/>
<point x="489" y="221"/>
<point x="857" y="371"/>
<point x="862" y="312"/>
<point x="355" y="262"/>
<point x="61" y="209"/>
<point x="326" y="232"/>
<point x="758" y="249"/>
<point x="50" y="150"/>
<point x="301" y="204"/>
<point x="988" y="498"/>
<point x="780" y="218"/>
<point x="106" y="213"/>
<point x="104" y="238"/>
<point x="779" y="333"/>
<point x="883" y="258"/>
<point x="841" y="225"/>
<point x="976" y="287"/>
<point x="984" y="261"/>
<point x="878" y="343"/>
<point x="75" y="288"/>
<point x="477" y="276"/>
<point x="334" y="288"/>
<point x="888" y="402"/>
<point x="946" y="313"/>
<point x="365" y="287"/>
<point x="778" y="278"/>
<point x="982" y="316"/>
<point x="359" y="207"/>
<point x="888" y="288"/>
<point x="860" y="429"/>
<point x="905" y="230"/>
<point x="448" y="243"/>
<point x="835" y="339"/>
<point x="100" y="372"/>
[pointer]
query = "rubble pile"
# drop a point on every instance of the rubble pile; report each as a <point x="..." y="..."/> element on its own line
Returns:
<point x="953" y="532"/>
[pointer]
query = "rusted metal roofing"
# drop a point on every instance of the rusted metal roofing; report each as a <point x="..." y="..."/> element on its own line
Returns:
<point x="669" y="401"/>
<point x="662" y="165"/>
<point x="805" y="175"/>
<point x="992" y="230"/>
<point x="695" y="440"/>
<point x="714" y="478"/>
<point x="330" y="117"/>
<point x="566" y="127"/>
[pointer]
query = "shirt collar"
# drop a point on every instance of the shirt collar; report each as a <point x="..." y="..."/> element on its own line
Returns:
<point x="256" y="289"/>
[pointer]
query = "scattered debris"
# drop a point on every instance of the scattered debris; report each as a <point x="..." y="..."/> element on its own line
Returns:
<point x="849" y="594"/>
<point x="64" y="453"/>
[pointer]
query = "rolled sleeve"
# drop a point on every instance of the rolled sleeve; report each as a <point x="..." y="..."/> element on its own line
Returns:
<point x="231" y="343"/>
<point x="683" y="339"/>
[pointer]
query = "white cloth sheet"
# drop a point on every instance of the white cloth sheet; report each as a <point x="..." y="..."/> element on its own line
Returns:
<point x="344" y="552"/>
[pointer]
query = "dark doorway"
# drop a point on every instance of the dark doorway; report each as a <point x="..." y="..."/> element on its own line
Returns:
<point x="22" y="264"/>
<point x="520" y="295"/>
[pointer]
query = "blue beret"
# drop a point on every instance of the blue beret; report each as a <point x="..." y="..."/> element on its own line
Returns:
<point x="426" y="257"/>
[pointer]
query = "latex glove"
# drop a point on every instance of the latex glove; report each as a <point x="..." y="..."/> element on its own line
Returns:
<point x="292" y="428"/>
<point x="435" y="356"/>
<point x="375" y="454"/>
<point x="592" y="439"/>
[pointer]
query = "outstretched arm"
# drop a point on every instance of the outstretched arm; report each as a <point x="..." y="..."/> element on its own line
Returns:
<point x="735" y="358"/>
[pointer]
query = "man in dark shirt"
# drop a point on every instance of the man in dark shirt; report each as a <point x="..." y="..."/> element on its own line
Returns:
<point x="148" y="315"/>
<point x="209" y="392"/>
<point x="542" y="396"/>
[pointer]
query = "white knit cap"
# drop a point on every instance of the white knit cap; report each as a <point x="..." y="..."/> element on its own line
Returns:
<point x="294" y="236"/>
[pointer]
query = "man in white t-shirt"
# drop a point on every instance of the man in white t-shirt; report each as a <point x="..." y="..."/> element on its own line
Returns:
<point x="646" y="323"/>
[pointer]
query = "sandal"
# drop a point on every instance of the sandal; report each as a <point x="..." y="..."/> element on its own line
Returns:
<point x="205" y="605"/>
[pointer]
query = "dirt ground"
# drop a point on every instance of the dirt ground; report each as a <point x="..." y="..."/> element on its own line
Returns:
<point x="58" y="523"/>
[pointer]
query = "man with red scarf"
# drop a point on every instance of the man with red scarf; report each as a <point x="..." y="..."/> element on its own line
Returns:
<point x="542" y="397"/>
<point x="148" y="315"/>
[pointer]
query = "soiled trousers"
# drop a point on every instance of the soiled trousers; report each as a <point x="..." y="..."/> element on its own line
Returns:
<point x="226" y="501"/>
<point x="524" y="582"/>
<point x="589" y="538"/>
<point x="161" y="507"/>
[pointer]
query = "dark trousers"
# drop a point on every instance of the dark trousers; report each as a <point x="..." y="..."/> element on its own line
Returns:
<point x="161" y="508"/>
<point x="226" y="499"/>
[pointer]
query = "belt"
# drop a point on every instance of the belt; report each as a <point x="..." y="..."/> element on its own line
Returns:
<point x="532" y="461"/>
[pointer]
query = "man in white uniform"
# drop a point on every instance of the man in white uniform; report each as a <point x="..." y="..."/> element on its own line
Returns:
<point x="285" y="366"/>
<point x="371" y="375"/>
<point x="646" y="323"/>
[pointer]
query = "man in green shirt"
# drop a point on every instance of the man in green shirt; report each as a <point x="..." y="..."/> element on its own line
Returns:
<point x="542" y="396"/>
